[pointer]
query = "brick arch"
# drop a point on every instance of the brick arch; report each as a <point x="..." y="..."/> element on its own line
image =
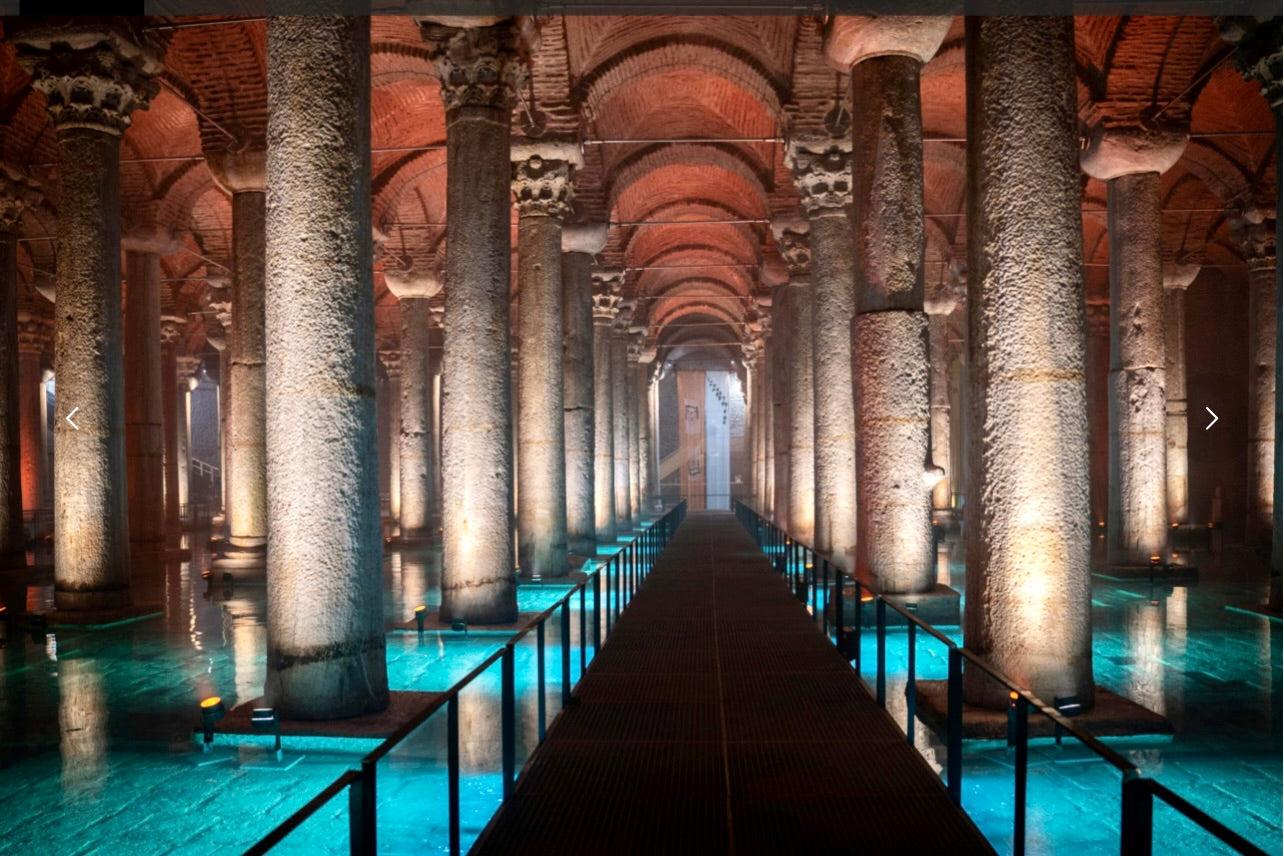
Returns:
<point x="650" y="242"/>
<point x="226" y="68"/>
<point x="393" y="62"/>
<point x="401" y="176"/>
<point x="664" y="172"/>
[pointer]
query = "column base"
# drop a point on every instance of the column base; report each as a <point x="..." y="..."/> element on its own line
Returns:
<point x="937" y="606"/>
<point x="245" y="563"/>
<point x="85" y="602"/>
<point x="1169" y="574"/>
<point x="1111" y="715"/>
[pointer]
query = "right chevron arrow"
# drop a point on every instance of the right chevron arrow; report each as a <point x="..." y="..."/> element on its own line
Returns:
<point x="1212" y="414"/>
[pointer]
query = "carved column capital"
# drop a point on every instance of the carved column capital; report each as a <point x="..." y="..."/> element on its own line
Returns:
<point x="171" y="330"/>
<point x="93" y="73"/>
<point x="822" y="171"/>
<point x="478" y="66"/>
<point x="793" y="240"/>
<point x="391" y="360"/>
<point x="607" y="285"/>
<point x="751" y="352"/>
<point x="543" y="178"/>
<point x="187" y="367"/>
<point x="1254" y="231"/>
<point x="18" y="192"/>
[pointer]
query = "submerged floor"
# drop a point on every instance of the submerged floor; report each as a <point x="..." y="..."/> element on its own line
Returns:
<point x="97" y="754"/>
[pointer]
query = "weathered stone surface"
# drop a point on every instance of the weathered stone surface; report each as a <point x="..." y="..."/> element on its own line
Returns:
<point x="852" y="39"/>
<point x="895" y="540"/>
<point x="478" y="69"/>
<point x="1128" y="150"/>
<point x="577" y="403"/>
<point x="325" y="607"/>
<point x="620" y="422"/>
<point x="1028" y="608"/>
<point x="1256" y="231"/>
<point x="13" y="542"/>
<point x="1177" y="278"/>
<point x="802" y="414"/>
<point x="606" y="302"/>
<point x="414" y="438"/>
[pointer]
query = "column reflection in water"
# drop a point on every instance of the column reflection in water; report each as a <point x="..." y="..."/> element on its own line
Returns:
<point x="82" y="724"/>
<point x="1175" y="651"/>
<point x="245" y="636"/>
<point x="480" y="725"/>
<point x="1144" y="631"/>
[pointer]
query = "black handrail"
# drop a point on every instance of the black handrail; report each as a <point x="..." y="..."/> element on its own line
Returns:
<point x="639" y="553"/>
<point x="1136" y="798"/>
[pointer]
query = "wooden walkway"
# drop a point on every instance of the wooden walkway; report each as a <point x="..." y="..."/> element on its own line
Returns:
<point x="718" y="719"/>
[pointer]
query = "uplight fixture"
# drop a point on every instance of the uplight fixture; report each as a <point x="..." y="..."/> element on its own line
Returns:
<point x="420" y="612"/>
<point x="212" y="710"/>
<point x="267" y="719"/>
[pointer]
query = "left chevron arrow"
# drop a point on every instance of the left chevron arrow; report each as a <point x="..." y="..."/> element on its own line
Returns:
<point x="71" y="414"/>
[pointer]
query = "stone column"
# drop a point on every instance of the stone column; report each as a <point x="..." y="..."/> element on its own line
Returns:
<point x="414" y="436"/>
<point x="781" y="399"/>
<point x="219" y="296"/>
<point x="1177" y="278"/>
<point x="821" y="169"/>
<point x="90" y="93"/>
<point x="1256" y="231"/>
<point x="33" y="336"/>
<point x="1130" y="161"/>
<point x="938" y="347"/>
<point x="1029" y="608"/>
<point x="241" y="174"/>
<point x="438" y="315"/>
<point x="635" y="386"/>
<point x="325" y="651"/>
<point x="620" y="407"/>
<point x="646" y="485"/>
<point x="17" y="193"/>
<point x="480" y="75"/>
<point x="892" y="396"/>
<point x="579" y="244"/>
<point x="793" y="239"/>
<point x="543" y="175"/>
<point x="392" y="369"/>
<point x="187" y="369"/>
<point x="606" y="303"/>
<point x="144" y="429"/>
<point x="171" y="333"/>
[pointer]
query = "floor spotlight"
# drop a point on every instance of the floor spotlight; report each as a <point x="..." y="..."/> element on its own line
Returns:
<point x="267" y="719"/>
<point x="420" y="612"/>
<point x="212" y="710"/>
<point x="459" y="626"/>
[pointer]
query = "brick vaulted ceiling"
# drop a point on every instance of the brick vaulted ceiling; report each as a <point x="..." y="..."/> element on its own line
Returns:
<point x="681" y="119"/>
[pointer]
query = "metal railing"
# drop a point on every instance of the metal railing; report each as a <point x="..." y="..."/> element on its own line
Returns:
<point x="621" y="574"/>
<point x="797" y="563"/>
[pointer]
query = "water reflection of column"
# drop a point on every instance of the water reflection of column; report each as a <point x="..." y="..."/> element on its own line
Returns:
<point x="1144" y="631"/>
<point x="82" y="723"/>
<point x="245" y="635"/>
<point x="1175" y="648"/>
<point x="479" y="730"/>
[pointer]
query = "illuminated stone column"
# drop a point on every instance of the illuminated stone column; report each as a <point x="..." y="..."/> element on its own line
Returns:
<point x="795" y="249"/>
<point x="635" y="384"/>
<point x="325" y="652"/>
<point x="606" y="303"/>
<point x="1130" y="161"/>
<point x="645" y="458"/>
<point x="241" y="174"/>
<point x="892" y="397"/>
<point x="1028" y="606"/>
<point x="620" y="408"/>
<point x="392" y="370"/>
<point x="171" y="331"/>
<point x="480" y="75"/>
<point x="1177" y="278"/>
<point x="821" y="169"/>
<point x="90" y="93"/>
<point x="939" y="358"/>
<point x="414" y="437"/>
<point x="781" y="400"/>
<point x="34" y="334"/>
<point x="219" y="305"/>
<point x="188" y="368"/>
<point x="543" y="175"/>
<point x="144" y="426"/>
<point x="1255" y="230"/>
<point x="17" y="193"/>
<point x="579" y="244"/>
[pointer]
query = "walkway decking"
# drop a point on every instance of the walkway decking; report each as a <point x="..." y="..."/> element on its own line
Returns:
<point x="718" y="719"/>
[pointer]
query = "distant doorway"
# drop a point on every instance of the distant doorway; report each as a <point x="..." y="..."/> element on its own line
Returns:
<point x="702" y="437"/>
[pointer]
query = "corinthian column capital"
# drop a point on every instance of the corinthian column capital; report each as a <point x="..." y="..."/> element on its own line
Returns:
<point x="18" y="192"/>
<point x="478" y="66"/>
<point x="543" y="177"/>
<point x="822" y="170"/>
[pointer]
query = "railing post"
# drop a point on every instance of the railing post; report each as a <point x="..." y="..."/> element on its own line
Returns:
<point x="824" y="587"/>
<point x="356" y="832"/>
<point x="858" y="623"/>
<point x="452" y="769"/>
<point x="363" y="827"/>
<point x="610" y="594"/>
<point x="911" y="690"/>
<point x="566" y="652"/>
<point x="840" y="638"/>
<point x="583" y="634"/>
<point x="1022" y="764"/>
<point x="542" y="700"/>
<point x="508" y="724"/>
<point x="880" y="623"/>
<point x="597" y="614"/>
<point x="1136" y="824"/>
<point x="954" y="726"/>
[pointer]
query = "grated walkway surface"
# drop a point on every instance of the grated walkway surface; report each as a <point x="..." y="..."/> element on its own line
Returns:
<point x="718" y="719"/>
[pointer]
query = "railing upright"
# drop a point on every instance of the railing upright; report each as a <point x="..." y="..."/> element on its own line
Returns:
<point x="911" y="688"/>
<point x="954" y="726"/>
<point x="1136" y="825"/>
<point x="880" y="680"/>
<point x="566" y="652"/>
<point x="541" y="702"/>
<point x="452" y="769"/>
<point x="1022" y="770"/>
<point x="508" y="725"/>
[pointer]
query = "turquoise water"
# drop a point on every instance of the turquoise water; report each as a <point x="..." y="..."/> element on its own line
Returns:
<point x="97" y="752"/>
<point x="1213" y="672"/>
